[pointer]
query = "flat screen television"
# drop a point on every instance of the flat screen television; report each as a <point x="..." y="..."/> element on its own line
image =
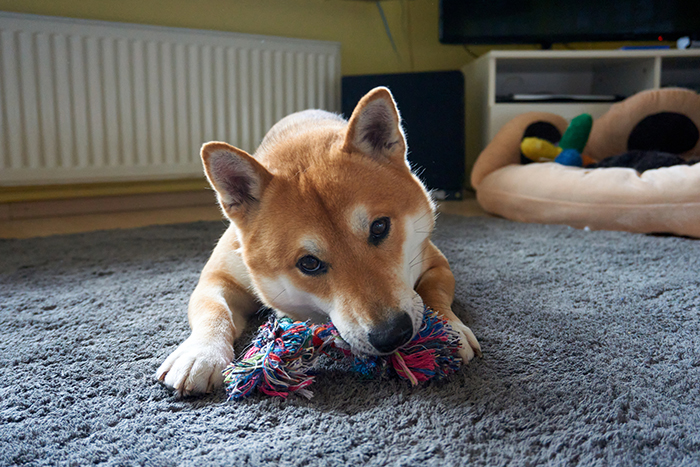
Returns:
<point x="549" y="21"/>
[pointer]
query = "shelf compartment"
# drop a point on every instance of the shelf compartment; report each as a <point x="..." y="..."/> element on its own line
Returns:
<point x="681" y="72"/>
<point x="618" y="76"/>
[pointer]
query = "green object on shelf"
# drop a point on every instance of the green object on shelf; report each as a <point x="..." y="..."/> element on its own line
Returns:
<point x="576" y="135"/>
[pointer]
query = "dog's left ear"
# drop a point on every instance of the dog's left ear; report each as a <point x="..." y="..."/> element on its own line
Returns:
<point x="374" y="128"/>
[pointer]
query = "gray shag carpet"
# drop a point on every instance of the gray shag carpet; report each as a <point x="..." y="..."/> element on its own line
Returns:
<point x="591" y="357"/>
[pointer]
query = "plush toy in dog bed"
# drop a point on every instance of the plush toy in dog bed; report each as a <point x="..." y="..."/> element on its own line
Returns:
<point x="282" y="357"/>
<point x="644" y="178"/>
<point x="655" y="142"/>
<point x="569" y="149"/>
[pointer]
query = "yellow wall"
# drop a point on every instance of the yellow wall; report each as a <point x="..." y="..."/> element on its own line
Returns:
<point x="357" y="25"/>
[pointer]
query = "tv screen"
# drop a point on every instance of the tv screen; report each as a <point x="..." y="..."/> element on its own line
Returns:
<point x="549" y="21"/>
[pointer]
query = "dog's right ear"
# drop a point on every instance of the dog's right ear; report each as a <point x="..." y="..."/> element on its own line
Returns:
<point x="239" y="180"/>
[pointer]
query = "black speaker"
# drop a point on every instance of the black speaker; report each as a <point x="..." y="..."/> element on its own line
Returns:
<point x="432" y="108"/>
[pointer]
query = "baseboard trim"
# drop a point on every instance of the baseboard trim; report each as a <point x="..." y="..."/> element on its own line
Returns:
<point x="15" y="194"/>
<point x="105" y="204"/>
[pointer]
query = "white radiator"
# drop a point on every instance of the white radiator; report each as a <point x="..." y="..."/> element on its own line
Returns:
<point x="87" y="101"/>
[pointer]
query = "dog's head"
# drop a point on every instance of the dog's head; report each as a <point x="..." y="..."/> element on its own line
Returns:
<point x="331" y="221"/>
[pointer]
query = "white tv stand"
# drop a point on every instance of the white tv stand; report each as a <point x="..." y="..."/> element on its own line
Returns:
<point x="563" y="72"/>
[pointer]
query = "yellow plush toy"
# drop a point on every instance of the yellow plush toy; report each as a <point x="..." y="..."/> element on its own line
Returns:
<point x="539" y="150"/>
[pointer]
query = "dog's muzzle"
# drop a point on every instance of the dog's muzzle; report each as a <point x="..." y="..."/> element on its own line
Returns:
<point x="392" y="333"/>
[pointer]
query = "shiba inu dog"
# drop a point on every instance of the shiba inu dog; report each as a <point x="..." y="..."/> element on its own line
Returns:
<point x="327" y="222"/>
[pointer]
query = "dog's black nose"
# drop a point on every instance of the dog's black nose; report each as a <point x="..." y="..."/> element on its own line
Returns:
<point x="392" y="333"/>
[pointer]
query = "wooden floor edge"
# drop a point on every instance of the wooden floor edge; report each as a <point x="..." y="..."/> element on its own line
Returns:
<point x="105" y="204"/>
<point x="14" y="194"/>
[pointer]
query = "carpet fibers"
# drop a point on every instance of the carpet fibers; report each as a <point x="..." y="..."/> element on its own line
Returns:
<point x="591" y="357"/>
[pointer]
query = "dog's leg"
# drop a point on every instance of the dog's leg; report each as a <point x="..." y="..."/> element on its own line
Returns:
<point x="436" y="287"/>
<point x="217" y="314"/>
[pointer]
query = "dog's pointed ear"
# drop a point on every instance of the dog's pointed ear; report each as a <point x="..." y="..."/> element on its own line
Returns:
<point x="375" y="129"/>
<point x="239" y="180"/>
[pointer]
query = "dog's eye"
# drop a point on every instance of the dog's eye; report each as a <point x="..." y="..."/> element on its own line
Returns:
<point x="311" y="266"/>
<point x="379" y="230"/>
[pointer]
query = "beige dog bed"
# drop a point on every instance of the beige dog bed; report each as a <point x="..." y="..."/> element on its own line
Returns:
<point x="662" y="200"/>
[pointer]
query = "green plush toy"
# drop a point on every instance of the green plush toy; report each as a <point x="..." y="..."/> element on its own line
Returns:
<point x="569" y="149"/>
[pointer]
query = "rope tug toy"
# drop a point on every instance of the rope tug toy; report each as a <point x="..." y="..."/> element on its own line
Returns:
<point x="282" y="357"/>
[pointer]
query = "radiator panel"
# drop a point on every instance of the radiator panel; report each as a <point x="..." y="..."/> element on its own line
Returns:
<point x="87" y="101"/>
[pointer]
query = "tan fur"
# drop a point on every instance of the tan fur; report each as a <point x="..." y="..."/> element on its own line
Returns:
<point x="315" y="186"/>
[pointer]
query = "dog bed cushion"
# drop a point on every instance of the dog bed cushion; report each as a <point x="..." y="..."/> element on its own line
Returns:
<point x="664" y="200"/>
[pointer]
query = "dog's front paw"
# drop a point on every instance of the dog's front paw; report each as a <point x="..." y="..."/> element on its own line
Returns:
<point x="195" y="366"/>
<point x="469" y="345"/>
